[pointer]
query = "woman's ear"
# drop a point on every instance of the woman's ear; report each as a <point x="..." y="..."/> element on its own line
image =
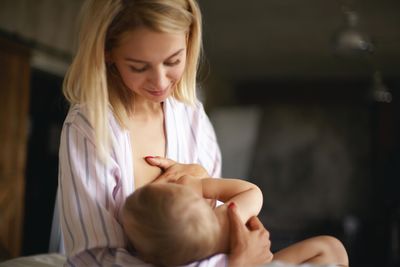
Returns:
<point x="187" y="38"/>
<point x="108" y="57"/>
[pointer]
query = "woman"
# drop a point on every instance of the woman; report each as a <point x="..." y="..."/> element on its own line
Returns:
<point x="131" y="87"/>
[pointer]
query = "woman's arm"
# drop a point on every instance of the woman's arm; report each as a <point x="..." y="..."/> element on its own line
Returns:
<point x="91" y="195"/>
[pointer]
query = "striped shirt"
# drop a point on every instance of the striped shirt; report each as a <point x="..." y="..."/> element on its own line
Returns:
<point x="92" y="193"/>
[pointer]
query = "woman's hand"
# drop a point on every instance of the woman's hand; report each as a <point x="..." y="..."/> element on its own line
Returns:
<point x="172" y="170"/>
<point x="249" y="246"/>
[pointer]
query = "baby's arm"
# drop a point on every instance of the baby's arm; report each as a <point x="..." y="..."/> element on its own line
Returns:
<point x="247" y="196"/>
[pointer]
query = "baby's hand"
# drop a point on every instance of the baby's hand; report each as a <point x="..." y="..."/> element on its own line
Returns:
<point x="172" y="170"/>
<point x="194" y="183"/>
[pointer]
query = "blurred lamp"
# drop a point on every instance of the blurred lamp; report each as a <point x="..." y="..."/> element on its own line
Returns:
<point x="380" y="93"/>
<point x="349" y="39"/>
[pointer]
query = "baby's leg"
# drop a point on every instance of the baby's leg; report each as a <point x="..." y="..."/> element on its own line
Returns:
<point x="317" y="250"/>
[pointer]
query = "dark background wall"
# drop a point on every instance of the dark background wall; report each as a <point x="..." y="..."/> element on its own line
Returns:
<point x="323" y="150"/>
<point x="47" y="112"/>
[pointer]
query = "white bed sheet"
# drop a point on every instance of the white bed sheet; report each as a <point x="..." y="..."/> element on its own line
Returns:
<point x="40" y="260"/>
<point x="57" y="260"/>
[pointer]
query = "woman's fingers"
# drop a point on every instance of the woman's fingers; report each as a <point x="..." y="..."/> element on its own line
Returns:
<point x="254" y="223"/>
<point x="160" y="162"/>
<point x="249" y="246"/>
<point x="236" y="226"/>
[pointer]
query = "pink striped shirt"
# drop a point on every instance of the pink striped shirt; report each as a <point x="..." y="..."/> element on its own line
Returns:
<point x="92" y="193"/>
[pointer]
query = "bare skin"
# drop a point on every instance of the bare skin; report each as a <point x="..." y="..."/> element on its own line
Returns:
<point x="150" y="140"/>
<point x="316" y="250"/>
<point x="249" y="244"/>
<point x="242" y="239"/>
<point x="150" y="71"/>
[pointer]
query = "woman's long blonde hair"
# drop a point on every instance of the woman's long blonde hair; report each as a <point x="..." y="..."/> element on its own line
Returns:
<point x="91" y="82"/>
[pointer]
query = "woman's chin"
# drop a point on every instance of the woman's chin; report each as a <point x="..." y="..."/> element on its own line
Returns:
<point x="159" y="96"/>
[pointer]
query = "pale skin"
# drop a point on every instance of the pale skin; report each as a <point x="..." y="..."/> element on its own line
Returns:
<point x="150" y="64"/>
<point x="246" y="198"/>
<point x="150" y="71"/>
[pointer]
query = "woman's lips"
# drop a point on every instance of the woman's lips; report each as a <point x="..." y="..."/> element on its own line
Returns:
<point x="158" y="92"/>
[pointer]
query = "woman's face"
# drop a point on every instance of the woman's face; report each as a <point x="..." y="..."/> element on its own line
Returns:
<point x="150" y="63"/>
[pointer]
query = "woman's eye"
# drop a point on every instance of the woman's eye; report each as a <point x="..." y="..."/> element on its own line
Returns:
<point x="173" y="63"/>
<point x="135" y="69"/>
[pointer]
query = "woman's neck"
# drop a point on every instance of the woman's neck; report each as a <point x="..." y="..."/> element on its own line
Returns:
<point x="146" y="110"/>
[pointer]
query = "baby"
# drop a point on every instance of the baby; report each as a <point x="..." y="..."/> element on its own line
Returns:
<point x="172" y="224"/>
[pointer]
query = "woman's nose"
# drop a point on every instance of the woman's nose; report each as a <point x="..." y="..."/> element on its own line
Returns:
<point x="159" y="79"/>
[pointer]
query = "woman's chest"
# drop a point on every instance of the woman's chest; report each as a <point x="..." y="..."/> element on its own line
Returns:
<point x="146" y="140"/>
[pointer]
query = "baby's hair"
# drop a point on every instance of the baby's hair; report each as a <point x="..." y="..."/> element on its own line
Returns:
<point x="168" y="227"/>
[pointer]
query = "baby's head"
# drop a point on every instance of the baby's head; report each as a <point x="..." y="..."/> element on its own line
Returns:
<point x="170" y="224"/>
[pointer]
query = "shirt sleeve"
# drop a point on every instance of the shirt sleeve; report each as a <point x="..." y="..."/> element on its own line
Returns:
<point x="90" y="204"/>
<point x="208" y="148"/>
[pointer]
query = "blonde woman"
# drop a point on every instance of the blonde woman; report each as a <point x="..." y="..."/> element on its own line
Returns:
<point x="182" y="227"/>
<point x="131" y="87"/>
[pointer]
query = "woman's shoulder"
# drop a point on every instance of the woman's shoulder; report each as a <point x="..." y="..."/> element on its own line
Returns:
<point x="79" y="119"/>
<point x="78" y="116"/>
<point x="77" y="122"/>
